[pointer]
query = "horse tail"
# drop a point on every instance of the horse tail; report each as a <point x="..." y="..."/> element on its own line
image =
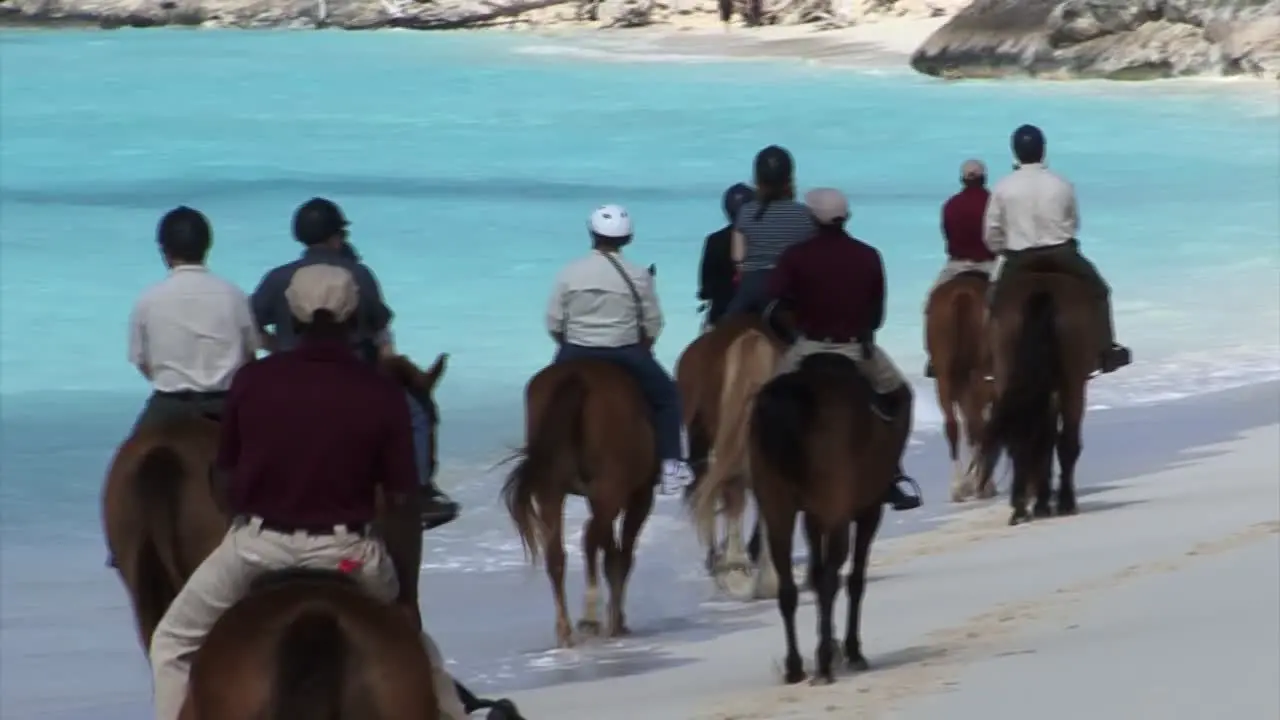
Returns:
<point x="750" y="361"/>
<point x="559" y="428"/>
<point x="965" y="359"/>
<point x="158" y="484"/>
<point x="312" y="656"/>
<point x="1020" y="418"/>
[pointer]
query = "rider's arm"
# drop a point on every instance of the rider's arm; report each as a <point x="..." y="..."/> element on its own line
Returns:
<point x="248" y="327"/>
<point x="229" y="427"/>
<point x="1072" y="211"/>
<point x="877" y="291"/>
<point x="399" y="480"/>
<point x="653" y="320"/>
<point x="556" y="309"/>
<point x="705" y="267"/>
<point x="138" y="340"/>
<point x="263" y="306"/>
<point x="993" y="225"/>
<point x="737" y="246"/>
<point x="375" y="315"/>
<point x="783" y="278"/>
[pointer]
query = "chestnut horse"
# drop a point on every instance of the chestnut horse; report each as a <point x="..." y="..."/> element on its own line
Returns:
<point x="816" y="447"/>
<point x="956" y="341"/>
<point x="311" y="644"/>
<point x="163" y="510"/>
<point x="718" y="377"/>
<point x="587" y="433"/>
<point x="1045" y="350"/>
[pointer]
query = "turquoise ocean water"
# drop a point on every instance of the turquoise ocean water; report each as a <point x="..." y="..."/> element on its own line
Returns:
<point x="468" y="164"/>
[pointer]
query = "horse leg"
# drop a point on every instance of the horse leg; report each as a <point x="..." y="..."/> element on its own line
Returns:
<point x="592" y="545"/>
<point x="975" y="423"/>
<point x="1069" y="447"/>
<point x="960" y="490"/>
<point x="865" y="526"/>
<point x="779" y="528"/>
<point x="735" y="506"/>
<point x="767" y="574"/>
<point x="813" y="534"/>
<point x="553" y="548"/>
<point x="835" y="550"/>
<point x="633" y="519"/>
<point x="1018" y="491"/>
<point x="699" y="457"/>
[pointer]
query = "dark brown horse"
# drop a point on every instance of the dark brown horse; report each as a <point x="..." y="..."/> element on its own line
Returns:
<point x="957" y="342"/>
<point x="163" y="514"/>
<point x="718" y="376"/>
<point x="587" y="433"/>
<point x="311" y="644"/>
<point x="817" y="448"/>
<point x="1045" y="349"/>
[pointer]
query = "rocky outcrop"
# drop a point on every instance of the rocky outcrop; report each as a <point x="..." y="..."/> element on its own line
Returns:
<point x="1114" y="39"/>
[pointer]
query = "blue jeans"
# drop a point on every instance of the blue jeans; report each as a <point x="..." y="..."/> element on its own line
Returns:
<point x="656" y="385"/>
<point x="421" y="425"/>
<point x="752" y="295"/>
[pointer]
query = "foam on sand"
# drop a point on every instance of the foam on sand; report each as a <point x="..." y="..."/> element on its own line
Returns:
<point x="1164" y="588"/>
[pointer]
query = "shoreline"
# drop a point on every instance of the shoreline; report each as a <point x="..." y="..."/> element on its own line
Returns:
<point x="492" y="612"/>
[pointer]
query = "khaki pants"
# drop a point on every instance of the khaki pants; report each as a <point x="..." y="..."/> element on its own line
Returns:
<point x="884" y="376"/>
<point x="955" y="267"/>
<point x="1064" y="259"/>
<point x="247" y="552"/>
<point x="161" y="409"/>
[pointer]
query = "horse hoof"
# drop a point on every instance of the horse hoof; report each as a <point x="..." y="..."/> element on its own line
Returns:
<point x="1068" y="509"/>
<point x="820" y="680"/>
<point x="503" y="710"/>
<point x="857" y="664"/>
<point x="588" y="627"/>
<point x="737" y="584"/>
<point x="986" y="492"/>
<point x="1042" y="511"/>
<point x="1017" y="518"/>
<point x="619" y="631"/>
<point x="794" y="677"/>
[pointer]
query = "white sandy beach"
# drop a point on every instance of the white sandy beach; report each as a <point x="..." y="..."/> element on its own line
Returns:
<point x="1160" y="599"/>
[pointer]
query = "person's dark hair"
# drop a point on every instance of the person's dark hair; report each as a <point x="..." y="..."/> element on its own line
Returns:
<point x="774" y="176"/>
<point x="318" y="221"/>
<point x="609" y="243"/>
<point x="323" y="324"/>
<point x="1028" y="144"/>
<point x="184" y="235"/>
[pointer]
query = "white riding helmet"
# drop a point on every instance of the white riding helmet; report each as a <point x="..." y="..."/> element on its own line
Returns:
<point x="610" y="221"/>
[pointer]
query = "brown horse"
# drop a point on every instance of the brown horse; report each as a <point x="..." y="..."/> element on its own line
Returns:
<point x="718" y="376"/>
<point x="956" y="341"/>
<point x="587" y="433"/>
<point x="816" y="447"/>
<point x="1045" y="350"/>
<point x="163" y="512"/>
<point x="311" y="644"/>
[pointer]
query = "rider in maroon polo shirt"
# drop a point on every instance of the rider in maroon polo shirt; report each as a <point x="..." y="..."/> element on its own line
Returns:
<point x="832" y="288"/>
<point x="308" y="436"/>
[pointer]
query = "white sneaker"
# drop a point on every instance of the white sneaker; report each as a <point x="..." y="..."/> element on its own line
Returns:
<point x="676" y="475"/>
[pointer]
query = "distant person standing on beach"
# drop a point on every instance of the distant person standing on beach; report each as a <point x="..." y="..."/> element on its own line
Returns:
<point x="191" y="332"/>
<point x="765" y="227"/>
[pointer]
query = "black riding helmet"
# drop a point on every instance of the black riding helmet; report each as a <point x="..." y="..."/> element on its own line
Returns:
<point x="317" y="220"/>
<point x="774" y="166"/>
<point x="735" y="197"/>
<point x="1028" y="144"/>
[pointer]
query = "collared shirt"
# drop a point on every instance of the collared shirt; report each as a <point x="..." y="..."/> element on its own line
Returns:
<point x="1032" y="207"/>
<point x="271" y="310"/>
<point x="592" y="305"/>
<point x="834" y="284"/>
<point x="192" y="331"/>
<point x="783" y="224"/>
<point x="962" y="225"/>
<point x="307" y="435"/>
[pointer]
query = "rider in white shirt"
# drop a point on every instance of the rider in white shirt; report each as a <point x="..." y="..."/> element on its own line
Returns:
<point x="1032" y="217"/>
<point x="191" y="332"/>
<point x="604" y="307"/>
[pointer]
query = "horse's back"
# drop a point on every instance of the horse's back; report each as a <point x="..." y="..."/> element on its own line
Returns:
<point x="237" y="671"/>
<point x="1069" y="299"/>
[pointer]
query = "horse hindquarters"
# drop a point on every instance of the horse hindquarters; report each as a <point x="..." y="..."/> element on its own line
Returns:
<point x="311" y="666"/>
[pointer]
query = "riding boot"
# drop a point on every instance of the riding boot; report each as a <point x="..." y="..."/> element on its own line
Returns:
<point x="1114" y="355"/>
<point x="899" y="499"/>
<point x="886" y="405"/>
<point x="928" y="369"/>
<point x="437" y="507"/>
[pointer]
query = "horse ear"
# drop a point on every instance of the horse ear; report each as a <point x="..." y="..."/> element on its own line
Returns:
<point x="433" y="374"/>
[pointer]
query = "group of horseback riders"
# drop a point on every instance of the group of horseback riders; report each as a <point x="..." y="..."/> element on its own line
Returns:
<point x="308" y="432"/>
